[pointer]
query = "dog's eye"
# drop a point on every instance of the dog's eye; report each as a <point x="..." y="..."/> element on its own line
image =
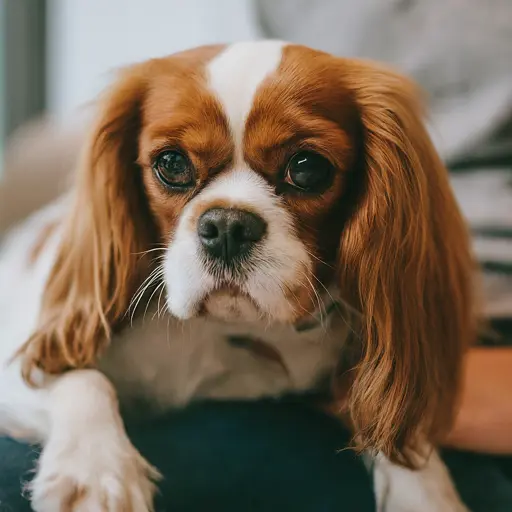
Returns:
<point x="174" y="169"/>
<point x="309" y="172"/>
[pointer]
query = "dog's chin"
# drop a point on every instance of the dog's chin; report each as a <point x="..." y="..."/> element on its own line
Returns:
<point x="231" y="306"/>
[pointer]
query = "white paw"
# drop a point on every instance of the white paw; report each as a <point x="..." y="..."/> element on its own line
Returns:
<point x="429" y="489"/>
<point x="85" y="476"/>
<point x="405" y="500"/>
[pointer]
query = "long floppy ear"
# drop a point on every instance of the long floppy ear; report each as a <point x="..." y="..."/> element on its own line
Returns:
<point x="405" y="263"/>
<point x="97" y="264"/>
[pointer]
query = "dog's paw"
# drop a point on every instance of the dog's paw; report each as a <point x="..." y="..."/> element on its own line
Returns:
<point x="429" y="489"/>
<point x="110" y="476"/>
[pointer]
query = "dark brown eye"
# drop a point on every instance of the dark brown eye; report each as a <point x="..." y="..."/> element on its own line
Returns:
<point x="309" y="172"/>
<point x="174" y="169"/>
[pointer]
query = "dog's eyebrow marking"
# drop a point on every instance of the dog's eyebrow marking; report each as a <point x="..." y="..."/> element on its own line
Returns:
<point x="259" y="348"/>
<point x="235" y="75"/>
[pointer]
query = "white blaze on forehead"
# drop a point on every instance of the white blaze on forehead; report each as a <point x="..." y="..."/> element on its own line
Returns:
<point x="235" y="75"/>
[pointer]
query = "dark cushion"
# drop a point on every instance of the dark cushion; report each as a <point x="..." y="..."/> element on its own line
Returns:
<point x="262" y="456"/>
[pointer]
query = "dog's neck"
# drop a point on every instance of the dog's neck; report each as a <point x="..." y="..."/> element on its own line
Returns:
<point x="167" y="362"/>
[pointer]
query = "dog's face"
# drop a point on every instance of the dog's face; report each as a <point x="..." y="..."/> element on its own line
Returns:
<point x="245" y="167"/>
<point x="267" y="174"/>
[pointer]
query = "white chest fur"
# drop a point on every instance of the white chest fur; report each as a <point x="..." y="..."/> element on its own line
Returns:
<point x="166" y="363"/>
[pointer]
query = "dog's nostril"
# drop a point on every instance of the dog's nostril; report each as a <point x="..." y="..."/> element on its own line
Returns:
<point x="238" y="233"/>
<point x="251" y="230"/>
<point x="226" y="233"/>
<point x="208" y="230"/>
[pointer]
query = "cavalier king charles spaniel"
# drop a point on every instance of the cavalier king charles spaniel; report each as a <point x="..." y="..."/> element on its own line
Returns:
<point x="247" y="221"/>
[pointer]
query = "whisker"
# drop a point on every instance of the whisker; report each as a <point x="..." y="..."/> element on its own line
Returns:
<point x="142" y="287"/>
<point x="346" y="306"/>
<point x="152" y="273"/>
<point x="162" y="289"/>
<point x="324" y="287"/>
<point x="147" y="283"/>
<point x="321" y="305"/>
<point x="151" y="297"/>
<point x="320" y="302"/>
<point x="138" y="301"/>
<point x="314" y="256"/>
<point x="162" y="250"/>
<point x="155" y="249"/>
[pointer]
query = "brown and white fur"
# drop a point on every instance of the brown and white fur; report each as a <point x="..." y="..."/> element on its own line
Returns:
<point x="383" y="236"/>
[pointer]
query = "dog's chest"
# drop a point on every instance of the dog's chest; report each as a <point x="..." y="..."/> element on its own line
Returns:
<point x="165" y="363"/>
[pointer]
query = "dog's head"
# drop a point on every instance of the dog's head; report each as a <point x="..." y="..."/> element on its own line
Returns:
<point x="252" y="178"/>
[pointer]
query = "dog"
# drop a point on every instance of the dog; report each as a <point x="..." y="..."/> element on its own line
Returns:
<point x="247" y="220"/>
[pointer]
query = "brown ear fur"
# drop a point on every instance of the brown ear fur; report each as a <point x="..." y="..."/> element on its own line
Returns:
<point x="97" y="264"/>
<point x="405" y="263"/>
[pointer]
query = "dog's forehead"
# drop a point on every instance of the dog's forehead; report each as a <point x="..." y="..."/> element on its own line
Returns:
<point x="246" y="98"/>
<point x="236" y="74"/>
<point x="192" y="84"/>
<point x="285" y="81"/>
<point x="234" y="78"/>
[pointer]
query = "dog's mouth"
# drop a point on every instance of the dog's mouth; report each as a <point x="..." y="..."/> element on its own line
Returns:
<point x="232" y="304"/>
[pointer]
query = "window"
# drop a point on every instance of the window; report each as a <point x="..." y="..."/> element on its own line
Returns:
<point x="22" y="63"/>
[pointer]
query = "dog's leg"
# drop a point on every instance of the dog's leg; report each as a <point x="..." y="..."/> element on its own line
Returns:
<point x="88" y="463"/>
<point x="428" y="489"/>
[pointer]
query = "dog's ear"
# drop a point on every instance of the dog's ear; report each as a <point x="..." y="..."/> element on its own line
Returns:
<point x="405" y="263"/>
<point x="97" y="266"/>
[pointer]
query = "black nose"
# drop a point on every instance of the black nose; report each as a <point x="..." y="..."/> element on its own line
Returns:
<point x="227" y="233"/>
